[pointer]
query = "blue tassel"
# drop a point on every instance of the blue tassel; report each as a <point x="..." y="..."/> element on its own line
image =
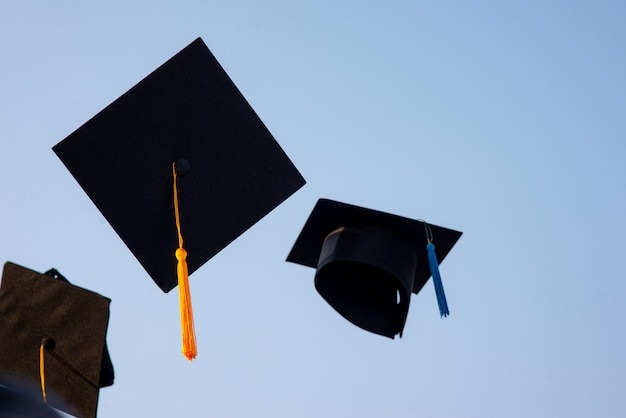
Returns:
<point x="434" y="271"/>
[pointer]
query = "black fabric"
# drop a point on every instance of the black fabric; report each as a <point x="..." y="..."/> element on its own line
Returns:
<point x="107" y="373"/>
<point x="35" y="306"/>
<point x="187" y="109"/>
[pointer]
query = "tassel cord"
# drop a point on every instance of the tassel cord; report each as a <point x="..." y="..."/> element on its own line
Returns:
<point x="42" y="374"/>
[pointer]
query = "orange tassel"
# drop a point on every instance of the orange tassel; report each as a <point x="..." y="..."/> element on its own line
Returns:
<point x="42" y="376"/>
<point x="186" y="313"/>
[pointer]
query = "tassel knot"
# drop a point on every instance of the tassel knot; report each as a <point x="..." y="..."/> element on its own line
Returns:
<point x="181" y="254"/>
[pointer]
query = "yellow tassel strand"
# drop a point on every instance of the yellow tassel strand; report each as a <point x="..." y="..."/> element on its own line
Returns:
<point x="42" y="350"/>
<point x="186" y="313"/>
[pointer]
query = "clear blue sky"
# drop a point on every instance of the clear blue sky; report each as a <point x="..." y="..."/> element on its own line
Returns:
<point x="505" y="120"/>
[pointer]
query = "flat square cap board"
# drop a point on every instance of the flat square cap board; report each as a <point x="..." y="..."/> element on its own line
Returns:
<point x="187" y="112"/>
<point x="329" y="215"/>
<point x="34" y="307"/>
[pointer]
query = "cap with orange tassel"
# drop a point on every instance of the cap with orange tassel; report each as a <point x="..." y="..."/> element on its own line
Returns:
<point x="187" y="115"/>
<point x="53" y="340"/>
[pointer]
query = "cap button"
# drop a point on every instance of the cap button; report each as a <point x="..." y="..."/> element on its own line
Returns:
<point x="182" y="167"/>
<point x="48" y="343"/>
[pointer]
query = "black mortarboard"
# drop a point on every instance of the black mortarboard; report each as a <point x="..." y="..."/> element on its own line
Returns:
<point x="187" y="111"/>
<point x="368" y="262"/>
<point x="70" y="322"/>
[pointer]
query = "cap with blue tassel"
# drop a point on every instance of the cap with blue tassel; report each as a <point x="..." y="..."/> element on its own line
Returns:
<point x="369" y="262"/>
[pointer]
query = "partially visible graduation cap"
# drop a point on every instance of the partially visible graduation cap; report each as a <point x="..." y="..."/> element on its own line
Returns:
<point x="51" y="326"/>
<point x="231" y="170"/>
<point x="369" y="262"/>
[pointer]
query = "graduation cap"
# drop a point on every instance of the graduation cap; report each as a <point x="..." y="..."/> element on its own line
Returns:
<point x="53" y="337"/>
<point x="181" y="153"/>
<point x="369" y="262"/>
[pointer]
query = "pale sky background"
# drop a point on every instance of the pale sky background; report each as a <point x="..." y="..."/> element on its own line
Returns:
<point x="502" y="119"/>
